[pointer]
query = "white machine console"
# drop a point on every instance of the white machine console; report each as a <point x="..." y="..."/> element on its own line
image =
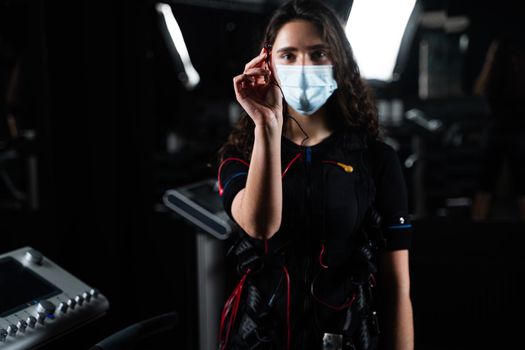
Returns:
<point x="40" y="301"/>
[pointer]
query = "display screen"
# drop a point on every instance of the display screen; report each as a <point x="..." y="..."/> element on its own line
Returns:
<point x="20" y="287"/>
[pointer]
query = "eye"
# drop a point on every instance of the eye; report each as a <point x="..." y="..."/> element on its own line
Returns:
<point x="319" y="55"/>
<point x="287" y="56"/>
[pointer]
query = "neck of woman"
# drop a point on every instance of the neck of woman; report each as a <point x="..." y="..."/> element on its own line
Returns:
<point x="314" y="126"/>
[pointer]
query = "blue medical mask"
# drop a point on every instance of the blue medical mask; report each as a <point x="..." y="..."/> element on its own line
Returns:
<point x="306" y="88"/>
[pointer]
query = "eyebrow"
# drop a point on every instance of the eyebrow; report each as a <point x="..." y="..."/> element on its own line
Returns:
<point x="313" y="47"/>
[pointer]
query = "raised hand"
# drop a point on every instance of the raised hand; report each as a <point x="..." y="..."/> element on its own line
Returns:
<point x="258" y="93"/>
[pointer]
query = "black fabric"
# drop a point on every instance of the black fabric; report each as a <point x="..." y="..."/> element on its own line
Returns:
<point x="391" y="198"/>
<point x="324" y="206"/>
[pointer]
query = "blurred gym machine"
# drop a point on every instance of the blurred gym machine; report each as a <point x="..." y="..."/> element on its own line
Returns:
<point x="199" y="204"/>
<point x="445" y="140"/>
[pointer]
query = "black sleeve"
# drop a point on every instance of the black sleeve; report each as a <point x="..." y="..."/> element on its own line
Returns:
<point x="233" y="172"/>
<point x="391" y="198"/>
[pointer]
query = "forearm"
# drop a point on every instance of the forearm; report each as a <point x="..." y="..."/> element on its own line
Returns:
<point x="400" y="330"/>
<point x="404" y="324"/>
<point x="260" y="205"/>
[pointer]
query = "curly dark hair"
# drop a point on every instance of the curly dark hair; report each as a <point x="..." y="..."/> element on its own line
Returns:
<point x="352" y="104"/>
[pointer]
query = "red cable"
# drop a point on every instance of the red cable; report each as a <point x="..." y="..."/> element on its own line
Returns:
<point x="227" y="307"/>
<point x="290" y="164"/>
<point x="338" y="308"/>
<point x="323" y="265"/>
<point x="221" y="190"/>
<point x="220" y="168"/>
<point x="288" y="299"/>
<point x="344" y="306"/>
<point x="235" y="297"/>
<point x="225" y="311"/>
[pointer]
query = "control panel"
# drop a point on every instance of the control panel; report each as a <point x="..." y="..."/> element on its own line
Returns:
<point x="40" y="301"/>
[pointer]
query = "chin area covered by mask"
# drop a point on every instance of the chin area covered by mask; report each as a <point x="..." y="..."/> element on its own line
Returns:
<point x="306" y="88"/>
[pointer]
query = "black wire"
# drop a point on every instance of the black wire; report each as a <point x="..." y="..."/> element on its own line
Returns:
<point x="268" y="46"/>
<point x="274" y="294"/>
<point x="302" y="130"/>
<point x="306" y="137"/>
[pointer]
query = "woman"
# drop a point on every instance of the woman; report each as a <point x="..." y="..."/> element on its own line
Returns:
<point x="307" y="180"/>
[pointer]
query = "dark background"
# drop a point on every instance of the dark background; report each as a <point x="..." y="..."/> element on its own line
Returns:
<point x="99" y="90"/>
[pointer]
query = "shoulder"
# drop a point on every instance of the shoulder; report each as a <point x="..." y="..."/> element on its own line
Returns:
<point x="352" y="140"/>
<point x="381" y="155"/>
<point x="380" y="149"/>
<point x="377" y="152"/>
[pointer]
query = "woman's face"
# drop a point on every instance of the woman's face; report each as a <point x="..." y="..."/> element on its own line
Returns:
<point x="299" y="43"/>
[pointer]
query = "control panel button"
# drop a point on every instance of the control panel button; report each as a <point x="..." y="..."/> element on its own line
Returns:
<point x="41" y="317"/>
<point x="62" y="307"/>
<point x="12" y="329"/>
<point x="34" y="257"/>
<point x="45" y="307"/>
<point x="94" y="293"/>
<point x="3" y="334"/>
<point x="71" y="303"/>
<point x="79" y="300"/>
<point x="31" y="321"/>
<point x="22" y="325"/>
<point x="86" y="296"/>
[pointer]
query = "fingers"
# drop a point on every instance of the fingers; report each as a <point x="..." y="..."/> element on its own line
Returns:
<point x="257" y="71"/>
<point x="238" y="86"/>
<point x="258" y="76"/>
<point x="257" y="61"/>
<point x="252" y="86"/>
<point x="251" y="78"/>
<point x="244" y="85"/>
<point x="254" y="74"/>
